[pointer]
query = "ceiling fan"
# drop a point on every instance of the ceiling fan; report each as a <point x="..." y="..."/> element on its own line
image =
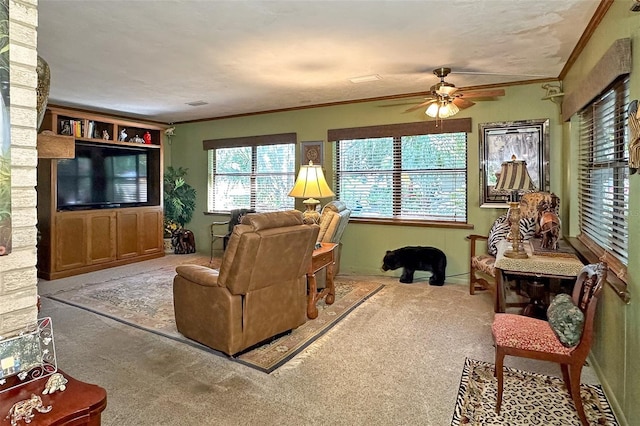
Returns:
<point x="446" y="99"/>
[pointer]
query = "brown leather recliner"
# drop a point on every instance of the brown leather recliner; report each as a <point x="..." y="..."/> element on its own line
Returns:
<point x="260" y="289"/>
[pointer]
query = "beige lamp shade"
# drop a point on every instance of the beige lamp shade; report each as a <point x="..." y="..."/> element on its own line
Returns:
<point x="311" y="184"/>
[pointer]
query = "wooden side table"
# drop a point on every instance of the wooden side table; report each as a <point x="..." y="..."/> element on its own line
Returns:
<point x="324" y="257"/>
<point x="79" y="404"/>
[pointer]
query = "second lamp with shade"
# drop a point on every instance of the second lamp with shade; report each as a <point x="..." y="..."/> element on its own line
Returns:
<point x="514" y="178"/>
<point x="311" y="184"/>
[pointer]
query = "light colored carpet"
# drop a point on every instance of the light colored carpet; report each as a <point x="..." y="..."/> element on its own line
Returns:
<point x="528" y="399"/>
<point x="396" y="360"/>
<point x="145" y="300"/>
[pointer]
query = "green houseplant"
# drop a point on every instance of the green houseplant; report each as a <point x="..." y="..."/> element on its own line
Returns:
<point x="179" y="200"/>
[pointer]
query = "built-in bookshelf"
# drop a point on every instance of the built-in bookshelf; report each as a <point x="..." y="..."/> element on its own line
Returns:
<point x="90" y="126"/>
<point x="80" y="231"/>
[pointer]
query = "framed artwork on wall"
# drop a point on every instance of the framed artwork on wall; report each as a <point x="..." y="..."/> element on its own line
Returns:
<point x="311" y="151"/>
<point x="527" y="140"/>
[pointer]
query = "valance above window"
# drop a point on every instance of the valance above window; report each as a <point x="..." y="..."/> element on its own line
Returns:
<point x="614" y="63"/>
<point x="250" y="141"/>
<point x="452" y="125"/>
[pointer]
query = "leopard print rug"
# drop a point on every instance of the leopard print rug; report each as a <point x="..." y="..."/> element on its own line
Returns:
<point x="528" y="399"/>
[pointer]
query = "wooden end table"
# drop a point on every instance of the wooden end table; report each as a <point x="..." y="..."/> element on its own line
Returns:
<point x="323" y="257"/>
<point x="79" y="404"/>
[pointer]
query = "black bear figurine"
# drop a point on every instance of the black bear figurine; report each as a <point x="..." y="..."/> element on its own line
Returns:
<point x="416" y="258"/>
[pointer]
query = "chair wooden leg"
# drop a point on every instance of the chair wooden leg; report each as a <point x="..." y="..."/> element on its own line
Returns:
<point x="574" y="374"/>
<point x="499" y="373"/>
<point x="472" y="284"/>
<point x="566" y="377"/>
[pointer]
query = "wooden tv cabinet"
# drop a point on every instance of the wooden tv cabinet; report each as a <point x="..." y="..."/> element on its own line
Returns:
<point x="72" y="242"/>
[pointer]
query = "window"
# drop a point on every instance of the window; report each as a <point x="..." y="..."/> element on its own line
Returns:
<point x="418" y="175"/>
<point x="257" y="173"/>
<point x="603" y="174"/>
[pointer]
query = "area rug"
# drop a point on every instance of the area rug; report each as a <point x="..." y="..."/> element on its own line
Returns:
<point x="145" y="301"/>
<point x="528" y="399"/>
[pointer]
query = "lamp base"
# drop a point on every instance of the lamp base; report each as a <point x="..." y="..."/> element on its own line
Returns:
<point x="311" y="214"/>
<point x="514" y="217"/>
<point x="512" y="254"/>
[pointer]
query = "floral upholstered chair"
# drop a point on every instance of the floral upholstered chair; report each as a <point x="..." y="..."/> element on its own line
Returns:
<point x="482" y="264"/>
<point x="565" y="339"/>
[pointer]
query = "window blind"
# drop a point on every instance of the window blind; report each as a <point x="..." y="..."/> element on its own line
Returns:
<point x="603" y="175"/>
<point x="417" y="177"/>
<point x="254" y="172"/>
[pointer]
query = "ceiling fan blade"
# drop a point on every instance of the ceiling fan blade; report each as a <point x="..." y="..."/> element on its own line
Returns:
<point x="462" y="103"/>
<point x="413" y="108"/>
<point x="487" y="93"/>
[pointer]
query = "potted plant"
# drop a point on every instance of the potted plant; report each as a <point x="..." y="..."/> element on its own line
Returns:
<point x="179" y="200"/>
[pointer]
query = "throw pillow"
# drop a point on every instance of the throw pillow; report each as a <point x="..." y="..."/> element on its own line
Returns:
<point x="498" y="232"/>
<point x="566" y="320"/>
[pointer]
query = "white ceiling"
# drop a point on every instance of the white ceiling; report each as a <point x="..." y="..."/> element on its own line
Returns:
<point x="148" y="59"/>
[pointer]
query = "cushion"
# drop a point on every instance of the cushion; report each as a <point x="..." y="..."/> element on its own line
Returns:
<point x="526" y="333"/>
<point x="566" y="320"/>
<point x="484" y="263"/>
<point x="498" y="232"/>
<point x="329" y="221"/>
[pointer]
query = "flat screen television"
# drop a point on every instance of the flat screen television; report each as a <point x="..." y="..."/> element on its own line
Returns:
<point x="103" y="177"/>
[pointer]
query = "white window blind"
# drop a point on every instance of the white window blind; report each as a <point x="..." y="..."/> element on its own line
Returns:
<point x="416" y="177"/>
<point x="603" y="173"/>
<point x="257" y="174"/>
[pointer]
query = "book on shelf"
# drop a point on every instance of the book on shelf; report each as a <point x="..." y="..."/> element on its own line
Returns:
<point x="90" y="130"/>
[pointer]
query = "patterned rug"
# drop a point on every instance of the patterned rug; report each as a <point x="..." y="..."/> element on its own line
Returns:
<point x="528" y="399"/>
<point x="145" y="301"/>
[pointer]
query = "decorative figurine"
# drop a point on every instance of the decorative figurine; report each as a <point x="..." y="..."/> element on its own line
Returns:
<point x="147" y="138"/>
<point x="23" y="410"/>
<point x="123" y="135"/>
<point x="56" y="382"/>
<point x="105" y="135"/>
<point x="66" y="129"/>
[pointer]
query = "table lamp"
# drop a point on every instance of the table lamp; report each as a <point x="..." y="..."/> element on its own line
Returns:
<point x="514" y="178"/>
<point x="311" y="184"/>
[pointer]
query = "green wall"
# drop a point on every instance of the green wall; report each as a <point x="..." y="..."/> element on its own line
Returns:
<point x="365" y="244"/>
<point x="617" y="343"/>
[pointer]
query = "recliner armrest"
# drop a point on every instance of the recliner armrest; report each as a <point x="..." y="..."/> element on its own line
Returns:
<point x="201" y="275"/>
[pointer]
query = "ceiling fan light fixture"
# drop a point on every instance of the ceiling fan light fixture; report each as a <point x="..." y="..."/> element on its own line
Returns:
<point x="432" y="111"/>
<point x="442" y="110"/>
<point x="451" y="109"/>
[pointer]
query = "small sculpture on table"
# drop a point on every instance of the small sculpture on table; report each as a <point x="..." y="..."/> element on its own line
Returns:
<point x="105" y="135"/>
<point x="56" y="382"/>
<point x="147" y="138"/>
<point x="550" y="230"/>
<point x="123" y="135"/>
<point x="23" y="410"/>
